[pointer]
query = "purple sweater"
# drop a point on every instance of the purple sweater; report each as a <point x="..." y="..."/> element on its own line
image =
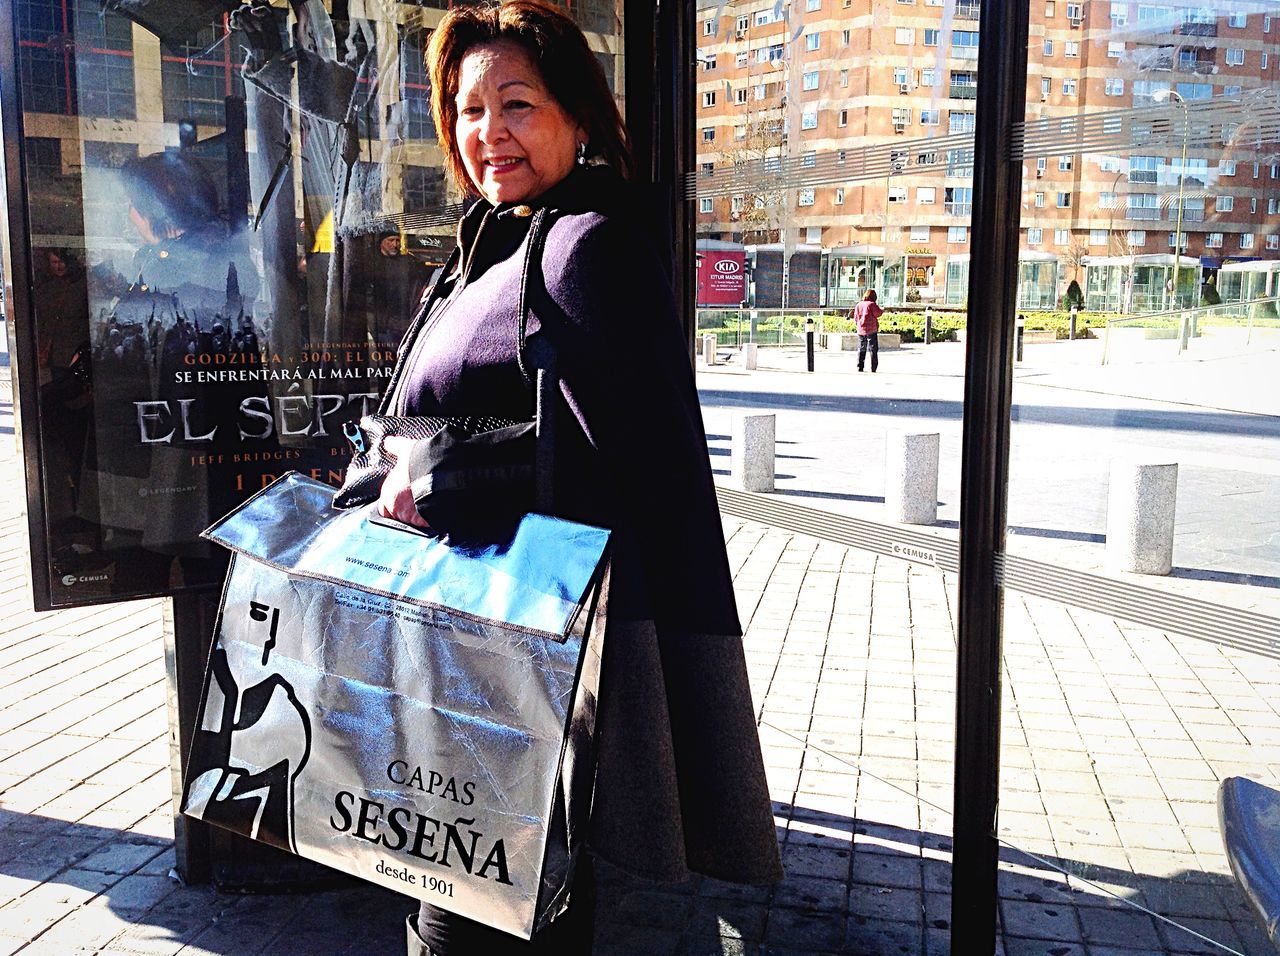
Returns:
<point x="631" y="450"/>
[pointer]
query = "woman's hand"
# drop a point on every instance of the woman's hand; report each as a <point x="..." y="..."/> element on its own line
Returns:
<point x="396" y="500"/>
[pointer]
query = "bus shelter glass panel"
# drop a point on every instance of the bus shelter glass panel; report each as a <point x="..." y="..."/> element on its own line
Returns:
<point x="1142" y="573"/>
<point x="831" y="166"/>
<point x="233" y="215"/>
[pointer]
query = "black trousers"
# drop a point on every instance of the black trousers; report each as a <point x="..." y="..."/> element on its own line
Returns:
<point x="570" y="935"/>
<point x="872" y="341"/>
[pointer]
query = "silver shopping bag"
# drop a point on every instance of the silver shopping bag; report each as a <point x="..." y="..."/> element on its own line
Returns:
<point x="417" y="714"/>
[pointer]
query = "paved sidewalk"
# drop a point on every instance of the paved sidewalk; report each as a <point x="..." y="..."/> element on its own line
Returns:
<point x="1115" y="737"/>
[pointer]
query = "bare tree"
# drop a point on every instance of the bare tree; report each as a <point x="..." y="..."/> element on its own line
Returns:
<point x="757" y="211"/>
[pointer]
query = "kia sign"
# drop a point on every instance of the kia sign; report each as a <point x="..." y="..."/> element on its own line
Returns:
<point x="721" y="277"/>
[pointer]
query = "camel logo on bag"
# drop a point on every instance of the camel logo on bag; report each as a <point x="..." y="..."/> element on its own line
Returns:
<point x="253" y="741"/>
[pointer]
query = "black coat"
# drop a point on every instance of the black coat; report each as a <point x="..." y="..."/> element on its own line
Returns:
<point x="680" y="783"/>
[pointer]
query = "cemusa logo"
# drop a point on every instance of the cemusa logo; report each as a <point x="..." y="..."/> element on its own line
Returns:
<point x="68" y="580"/>
<point x="728" y="266"/>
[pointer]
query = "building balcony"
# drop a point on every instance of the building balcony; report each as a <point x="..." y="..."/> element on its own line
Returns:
<point x="1151" y="213"/>
<point x="968" y="10"/>
<point x="963" y="92"/>
<point x="958" y="208"/>
<point x="1199" y="29"/>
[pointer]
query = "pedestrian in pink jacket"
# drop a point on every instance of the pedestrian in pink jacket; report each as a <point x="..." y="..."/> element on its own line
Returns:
<point x="866" y="317"/>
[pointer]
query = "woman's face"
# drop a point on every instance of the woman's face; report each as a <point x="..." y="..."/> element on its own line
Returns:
<point x="516" y="140"/>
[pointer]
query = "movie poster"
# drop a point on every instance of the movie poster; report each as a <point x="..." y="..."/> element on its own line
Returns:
<point x="227" y="248"/>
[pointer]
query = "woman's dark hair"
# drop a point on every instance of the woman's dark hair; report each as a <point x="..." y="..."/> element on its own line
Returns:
<point x="559" y="51"/>
<point x="871" y="295"/>
<point x="171" y="191"/>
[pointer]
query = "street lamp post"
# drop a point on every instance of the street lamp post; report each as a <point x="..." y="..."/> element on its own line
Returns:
<point x="1161" y="96"/>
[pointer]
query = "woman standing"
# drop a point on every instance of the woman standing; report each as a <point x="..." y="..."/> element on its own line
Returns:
<point x="527" y="123"/>
<point x="866" y="318"/>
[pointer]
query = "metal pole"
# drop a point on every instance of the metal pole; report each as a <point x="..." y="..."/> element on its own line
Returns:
<point x="997" y="187"/>
<point x="1071" y="329"/>
<point x="808" y="343"/>
<point x="928" y="325"/>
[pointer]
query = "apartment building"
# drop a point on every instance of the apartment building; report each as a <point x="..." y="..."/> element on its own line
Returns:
<point x="793" y="84"/>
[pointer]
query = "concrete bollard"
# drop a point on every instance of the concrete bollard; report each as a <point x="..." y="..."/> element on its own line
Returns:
<point x="1141" y="501"/>
<point x="751" y="453"/>
<point x="911" y="476"/>
<point x="750" y="356"/>
<point x="709" y="349"/>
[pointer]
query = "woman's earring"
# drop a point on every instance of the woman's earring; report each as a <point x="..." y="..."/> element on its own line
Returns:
<point x="582" y="154"/>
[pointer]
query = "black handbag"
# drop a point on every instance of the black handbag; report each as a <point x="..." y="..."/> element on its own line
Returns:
<point x="465" y="454"/>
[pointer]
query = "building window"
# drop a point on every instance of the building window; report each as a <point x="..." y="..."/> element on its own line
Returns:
<point x="708" y="134"/>
<point x="709" y="98"/>
<point x="813" y="235"/>
<point x="930" y="37"/>
<point x="844" y="37"/>
<point x="1225" y="203"/>
<point x="1106" y="200"/>
<point x="1142" y="206"/>
<point x="201" y="97"/>
<point x="1064" y="164"/>
<point x="809" y="160"/>
<point x="842" y="118"/>
<point x="805" y="197"/>
<point x="740" y="133"/>
<point x="1136" y="237"/>
<point x="958" y="200"/>
<point x="812" y="41"/>
<point x="811" y="5"/>
<point x="1097" y="237"/>
<point x="810" y="80"/>
<point x="708" y="28"/>
<point x="740" y="96"/>
<point x="735" y="205"/>
<point x="764" y="18"/>
<point x="809" y="120"/>
<point x="709" y="63"/>
<point x="1115" y="50"/>
<point x="960" y="122"/>
<point x="1226" y="167"/>
<point x="1119" y="14"/>
<point x="839" y="200"/>
<point x="1071" y="48"/>
<point x="1075" y="12"/>
<point x="1237" y="19"/>
<point x="742" y="24"/>
<point x="904" y="36"/>
<point x="705" y="205"/>
<point x="1064" y="200"/>
<point x="901" y="116"/>
<point x="957" y="234"/>
<point x="919" y="233"/>
<point x="1048" y="48"/>
<point x="925" y="195"/>
<point x="1068" y="87"/>
<point x="1213" y="240"/>
<point x="964" y="44"/>
<point x="844" y="77"/>
<point x="897" y="194"/>
<point x="928" y="77"/>
<point x="740" y="60"/>
<point x="1246" y="240"/>
<point x="900" y="76"/>
<point x="1273" y="205"/>
<point x="1183" y="245"/>
<point x="1266" y="24"/>
<point x="1035" y="236"/>
<point x="1061" y="237"/>
<point x="930" y="117"/>
<point x="1273" y="242"/>
<point x="1235" y="57"/>
<point x="1263" y="59"/>
<point x="1039" y="200"/>
<point x="1144" y="169"/>
<point x="1050" y="8"/>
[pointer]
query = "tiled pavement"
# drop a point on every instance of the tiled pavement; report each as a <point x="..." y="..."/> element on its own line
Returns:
<point x="1114" y="739"/>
